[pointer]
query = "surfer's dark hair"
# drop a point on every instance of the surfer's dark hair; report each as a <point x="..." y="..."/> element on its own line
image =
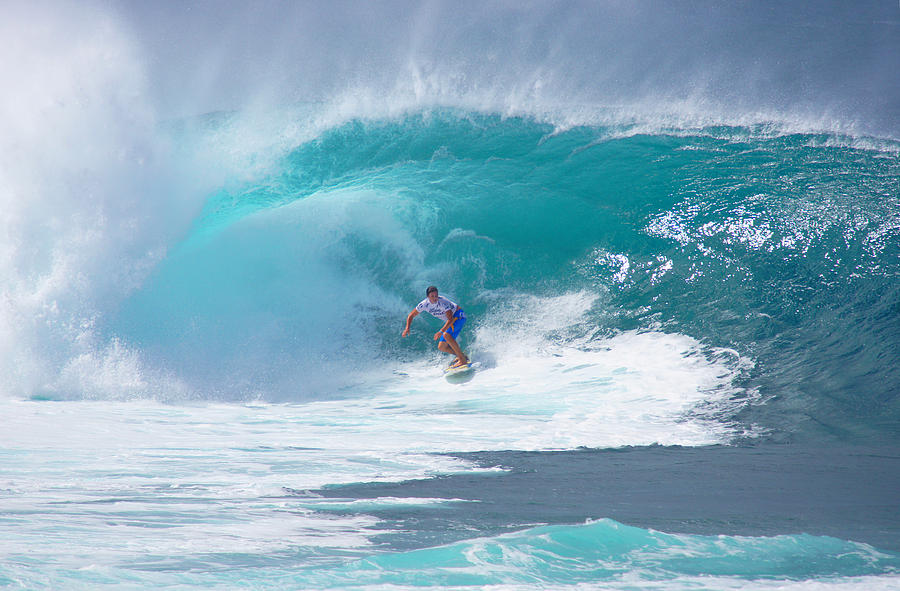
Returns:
<point x="430" y="289"/>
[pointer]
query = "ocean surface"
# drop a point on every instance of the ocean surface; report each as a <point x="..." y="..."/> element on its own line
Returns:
<point x="684" y="312"/>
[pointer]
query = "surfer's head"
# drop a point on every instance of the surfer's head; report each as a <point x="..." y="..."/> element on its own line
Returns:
<point x="431" y="290"/>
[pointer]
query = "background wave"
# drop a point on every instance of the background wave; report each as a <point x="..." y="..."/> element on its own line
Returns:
<point x="781" y="247"/>
<point x="617" y="555"/>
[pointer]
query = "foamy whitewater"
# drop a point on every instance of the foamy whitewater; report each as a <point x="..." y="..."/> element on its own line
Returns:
<point x="674" y="228"/>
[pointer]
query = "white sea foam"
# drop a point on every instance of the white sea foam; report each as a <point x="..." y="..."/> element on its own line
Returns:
<point x="148" y="483"/>
<point x="151" y="483"/>
<point x="85" y="212"/>
<point x="720" y="583"/>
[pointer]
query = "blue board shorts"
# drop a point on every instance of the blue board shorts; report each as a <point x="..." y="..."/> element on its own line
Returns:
<point x="459" y="321"/>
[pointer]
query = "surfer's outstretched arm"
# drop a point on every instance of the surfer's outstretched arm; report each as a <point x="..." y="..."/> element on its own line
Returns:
<point x="409" y="320"/>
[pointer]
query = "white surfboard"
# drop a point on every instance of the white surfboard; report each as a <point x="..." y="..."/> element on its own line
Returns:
<point x="460" y="372"/>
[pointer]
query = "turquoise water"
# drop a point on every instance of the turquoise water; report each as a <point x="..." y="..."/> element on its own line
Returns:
<point x="781" y="247"/>
<point x="681" y="269"/>
<point x="687" y="287"/>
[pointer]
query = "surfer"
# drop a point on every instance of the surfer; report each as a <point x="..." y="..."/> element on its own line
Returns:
<point x="454" y="318"/>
